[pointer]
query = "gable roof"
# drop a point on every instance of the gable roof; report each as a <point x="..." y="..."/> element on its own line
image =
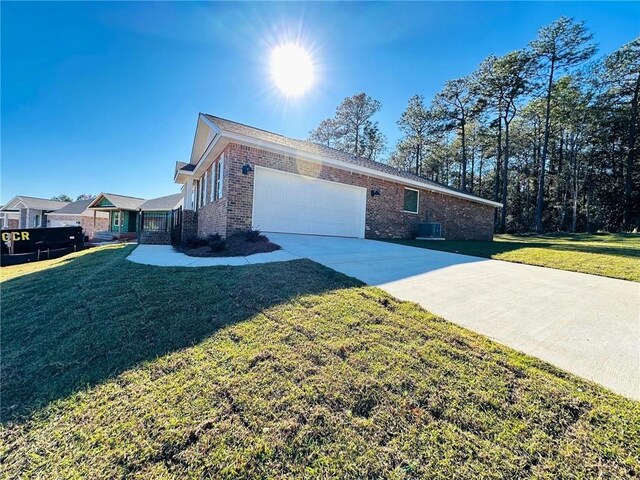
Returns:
<point x="33" y="202"/>
<point x="119" y="202"/>
<point x="240" y="132"/>
<point x="166" y="203"/>
<point x="81" y="207"/>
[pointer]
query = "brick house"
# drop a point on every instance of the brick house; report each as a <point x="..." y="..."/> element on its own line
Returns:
<point x="78" y="213"/>
<point x="123" y="214"/>
<point x="28" y="212"/>
<point x="241" y="177"/>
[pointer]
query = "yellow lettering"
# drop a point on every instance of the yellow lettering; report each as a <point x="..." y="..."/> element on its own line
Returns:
<point x="25" y="235"/>
<point x="5" y="236"/>
<point x="16" y="236"/>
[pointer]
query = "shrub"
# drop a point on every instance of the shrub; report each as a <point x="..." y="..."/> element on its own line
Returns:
<point x="189" y="241"/>
<point x="254" y="236"/>
<point x="194" y="242"/>
<point x="216" y="244"/>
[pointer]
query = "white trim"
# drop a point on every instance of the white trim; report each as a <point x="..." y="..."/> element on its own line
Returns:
<point x="214" y="127"/>
<point x="206" y="180"/>
<point x="212" y="186"/>
<point x="417" y="202"/>
<point x="220" y="177"/>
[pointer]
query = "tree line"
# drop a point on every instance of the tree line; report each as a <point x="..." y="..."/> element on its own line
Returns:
<point x="550" y="131"/>
<point x="63" y="197"/>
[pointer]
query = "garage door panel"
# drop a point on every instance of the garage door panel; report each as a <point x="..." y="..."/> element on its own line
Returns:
<point x="284" y="202"/>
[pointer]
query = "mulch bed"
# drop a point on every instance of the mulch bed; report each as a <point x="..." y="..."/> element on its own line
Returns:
<point x="236" y="246"/>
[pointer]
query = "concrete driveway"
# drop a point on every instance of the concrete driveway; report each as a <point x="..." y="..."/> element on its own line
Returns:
<point x="585" y="324"/>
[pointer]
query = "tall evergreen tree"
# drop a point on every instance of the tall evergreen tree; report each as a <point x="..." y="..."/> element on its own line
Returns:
<point x="415" y="123"/>
<point x="559" y="47"/>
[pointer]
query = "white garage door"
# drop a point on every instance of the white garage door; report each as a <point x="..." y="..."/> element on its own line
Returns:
<point x="289" y="203"/>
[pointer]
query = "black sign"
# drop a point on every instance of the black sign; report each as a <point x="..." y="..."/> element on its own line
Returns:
<point x="31" y="240"/>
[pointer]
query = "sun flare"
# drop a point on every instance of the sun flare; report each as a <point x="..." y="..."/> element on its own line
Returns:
<point x="292" y="69"/>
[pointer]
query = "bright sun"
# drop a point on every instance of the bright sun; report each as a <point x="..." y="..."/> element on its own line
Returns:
<point x="291" y="69"/>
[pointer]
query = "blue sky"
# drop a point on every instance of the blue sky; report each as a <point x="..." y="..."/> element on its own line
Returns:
<point x="105" y="96"/>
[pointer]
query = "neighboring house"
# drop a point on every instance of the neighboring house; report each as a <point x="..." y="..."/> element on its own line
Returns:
<point x="9" y="217"/>
<point x="158" y="217"/>
<point x="78" y="213"/>
<point x="123" y="212"/>
<point x="241" y="177"/>
<point x="28" y="212"/>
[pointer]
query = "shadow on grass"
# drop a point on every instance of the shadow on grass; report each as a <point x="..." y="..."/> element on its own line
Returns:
<point x="487" y="249"/>
<point x="96" y="315"/>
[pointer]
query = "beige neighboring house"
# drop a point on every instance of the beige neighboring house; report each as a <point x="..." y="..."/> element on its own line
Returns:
<point x="78" y="214"/>
<point x="28" y="212"/>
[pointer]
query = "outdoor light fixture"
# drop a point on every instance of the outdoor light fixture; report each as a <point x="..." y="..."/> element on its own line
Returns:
<point x="246" y="168"/>
<point x="375" y="192"/>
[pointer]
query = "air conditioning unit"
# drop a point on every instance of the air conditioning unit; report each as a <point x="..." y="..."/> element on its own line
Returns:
<point x="429" y="231"/>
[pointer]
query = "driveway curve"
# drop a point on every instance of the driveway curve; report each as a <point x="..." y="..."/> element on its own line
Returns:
<point x="584" y="324"/>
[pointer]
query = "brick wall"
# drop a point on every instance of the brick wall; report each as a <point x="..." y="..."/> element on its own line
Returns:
<point x="212" y="217"/>
<point x="152" y="237"/>
<point x="385" y="218"/>
<point x="189" y="224"/>
<point x="86" y="222"/>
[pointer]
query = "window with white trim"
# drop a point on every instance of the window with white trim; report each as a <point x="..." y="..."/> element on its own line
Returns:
<point x="201" y="185"/>
<point x="116" y="219"/>
<point x="219" y="176"/>
<point x="411" y="200"/>
<point x="204" y="187"/>
<point x="212" y="187"/>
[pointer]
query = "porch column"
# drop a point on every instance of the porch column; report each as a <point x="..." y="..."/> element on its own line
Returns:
<point x="120" y="223"/>
<point x="188" y="195"/>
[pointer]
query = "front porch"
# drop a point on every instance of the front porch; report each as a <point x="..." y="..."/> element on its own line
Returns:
<point x="123" y="213"/>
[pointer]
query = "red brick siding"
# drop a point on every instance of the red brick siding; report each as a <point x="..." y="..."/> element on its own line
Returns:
<point x="101" y="225"/>
<point x="189" y="224"/>
<point x="385" y="218"/>
<point x="152" y="237"/>
<point x="13" y="223"/>
<point x="212" y="216"/>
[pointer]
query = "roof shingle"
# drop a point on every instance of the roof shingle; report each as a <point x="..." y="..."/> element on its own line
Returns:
<point x="322" y="150"/>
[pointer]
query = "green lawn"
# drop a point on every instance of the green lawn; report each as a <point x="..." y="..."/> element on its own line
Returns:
<point x="608" y="255"/>
<point x="112" y="369"/>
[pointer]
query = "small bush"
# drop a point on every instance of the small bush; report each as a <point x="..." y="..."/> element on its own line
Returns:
<point x="195" y="242"/>
<point x="254" y="236"/>
<point x="190" y="241"/>
<point x="216" y="244"/>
